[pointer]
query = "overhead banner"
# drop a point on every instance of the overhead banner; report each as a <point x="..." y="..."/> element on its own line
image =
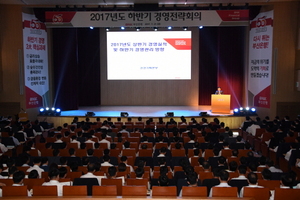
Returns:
<point x="35" y="60"/>
<point x="260" y="59"/>
<point x="147" y="19"/>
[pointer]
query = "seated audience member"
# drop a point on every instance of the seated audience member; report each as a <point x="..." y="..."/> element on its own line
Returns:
<point x="106" y="160"/>
<point x="252" y="180"/>
<point x="36" y="166"/>
<point x="104" y="140"/>
<point x="266" y="174"/>
<point x="18" y="178"/>
<point x="223" y="177"/>
<point x="272" y="168"/>
<point x="91" y="170"/>
<point x="209" y="183"/>
<point x="232" y="166"/>
<point x="112" y="174"/>
<point x="242" y="169"/>
<point x="54" y="180"/>
<point x="192" y="180"/>
<point x="124" y="160"/>
<point x="33" y="174"/>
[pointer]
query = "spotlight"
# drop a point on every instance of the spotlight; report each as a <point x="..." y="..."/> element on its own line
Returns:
<point x="247" y="108"/>
<point x="138" y="29"/>
<point x="122" y="28"/>
<point x="90" y="114"/>
<point x="57" y="112"/>
<point x="47" y="108"/>
<point x="155" y="28"/>
<point x="253" y="110"/>
<point x="42" y="111"/>
<point x="107" y="29"/>
<point x="91" y="27"/>
<point x="200" y="27"/>
<point x="236" y="110"/>
<point x="185" y="28"/>
<point x="124" y="114"/>
<point x="52" y="108"/>
<point x="203" y="114"/>
<point x="241" y="108"/>
<point x="169" y="27"/>
<point x="170" y="114"/>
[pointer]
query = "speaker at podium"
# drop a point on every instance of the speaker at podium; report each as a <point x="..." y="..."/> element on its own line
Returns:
<point x="220" y="103"/>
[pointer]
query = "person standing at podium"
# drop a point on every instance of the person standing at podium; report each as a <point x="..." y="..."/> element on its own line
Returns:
<point x="219" y="91"/>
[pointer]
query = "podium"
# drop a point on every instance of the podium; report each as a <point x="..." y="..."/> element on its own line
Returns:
<point x="220" y="103"/>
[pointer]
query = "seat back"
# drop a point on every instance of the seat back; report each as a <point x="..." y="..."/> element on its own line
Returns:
<point x="164" y="191"/>
<point x="133" y="181"/>
<point x="224" y="192"/>
<point x="49" y="190"/>
<point x="105" y="190"/>
<point x="283" y="193"/>
<point x="117" y="182"/>
<point x="88" y="182"/>
<point x="271" y="184"/>
<point x="205" y="175"/>
<point x="32" y="182"/>
<point x="8" y="191"/>
<point x="137" y="190"/>
<point x="194" y="191"/>
<point x="257" y="193"/>
<point x="77" y="190"/>
<point x="7" y="182"/>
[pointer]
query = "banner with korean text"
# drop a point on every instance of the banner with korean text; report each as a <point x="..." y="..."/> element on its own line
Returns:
<point x="147" y="18"/>
<point x="260" y="59"/>
<point x="35" y="60"/>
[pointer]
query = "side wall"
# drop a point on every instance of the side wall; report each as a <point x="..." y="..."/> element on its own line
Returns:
<point x="159" y="92"/>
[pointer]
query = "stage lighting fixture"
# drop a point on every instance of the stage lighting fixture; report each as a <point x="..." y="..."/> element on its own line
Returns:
<point x="170" y="114"/>
<point x="91" y="27"/>
<point x="47" y="108"/>
<point x="124" y="114"/>
<point x="122" y="28"/>
<point x="107" y="29"/>
<point x="42" y="111"/>
<point x="203" y="114"/>
<point x="253" y="110"/>
<point x="57" y="112"/>
<point x="200" y="27"/>
<point x="90" y="114"/>
<point x="169" y="27"/>
<point x="155" y="28"/>
<point x="247" y="108"/>
<point x="235" y="110"/>
<point x="241" y="108"/>
<point x="185" y="28"/>
<point x="138" y="29"/>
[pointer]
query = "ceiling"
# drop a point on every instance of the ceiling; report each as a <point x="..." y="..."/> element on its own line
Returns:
<point x="130" y="2"/>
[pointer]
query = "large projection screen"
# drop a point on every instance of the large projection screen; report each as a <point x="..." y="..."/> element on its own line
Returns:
<point x="147" y="92"/>
<point x="149" y="55"/>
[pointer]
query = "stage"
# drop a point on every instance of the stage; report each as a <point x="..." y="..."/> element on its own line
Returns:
<point x="145" y="112"/>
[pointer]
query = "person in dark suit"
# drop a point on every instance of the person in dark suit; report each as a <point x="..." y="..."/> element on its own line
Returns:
<point x="219" y="91"/>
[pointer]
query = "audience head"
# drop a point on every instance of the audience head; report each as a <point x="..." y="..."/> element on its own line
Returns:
<point x="18" y="177"/>
<point x="252" y="178"/>
<point x="163" y="180"/>
<point x="266" y="174"/>
<point x="112" y="171"/>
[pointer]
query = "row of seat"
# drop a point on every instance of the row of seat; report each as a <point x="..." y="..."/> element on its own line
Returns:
<point x="157" y="191"/>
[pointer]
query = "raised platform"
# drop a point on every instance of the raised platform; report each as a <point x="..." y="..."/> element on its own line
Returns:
<point x="145" y="112"/>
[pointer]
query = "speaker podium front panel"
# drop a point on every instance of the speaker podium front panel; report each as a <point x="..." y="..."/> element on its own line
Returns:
<point x="220" y="103"/>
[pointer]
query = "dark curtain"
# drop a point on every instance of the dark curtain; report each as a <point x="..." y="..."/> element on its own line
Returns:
<point x="221" y="63"/>
<point x="76" y="61"/>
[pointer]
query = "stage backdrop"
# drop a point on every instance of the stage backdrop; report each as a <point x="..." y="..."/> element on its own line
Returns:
<point x="35" y="61"/>
<point x="260" y="59"/>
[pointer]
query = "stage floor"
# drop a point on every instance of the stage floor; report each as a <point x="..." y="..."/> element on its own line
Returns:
<point x="142" y="111"/>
